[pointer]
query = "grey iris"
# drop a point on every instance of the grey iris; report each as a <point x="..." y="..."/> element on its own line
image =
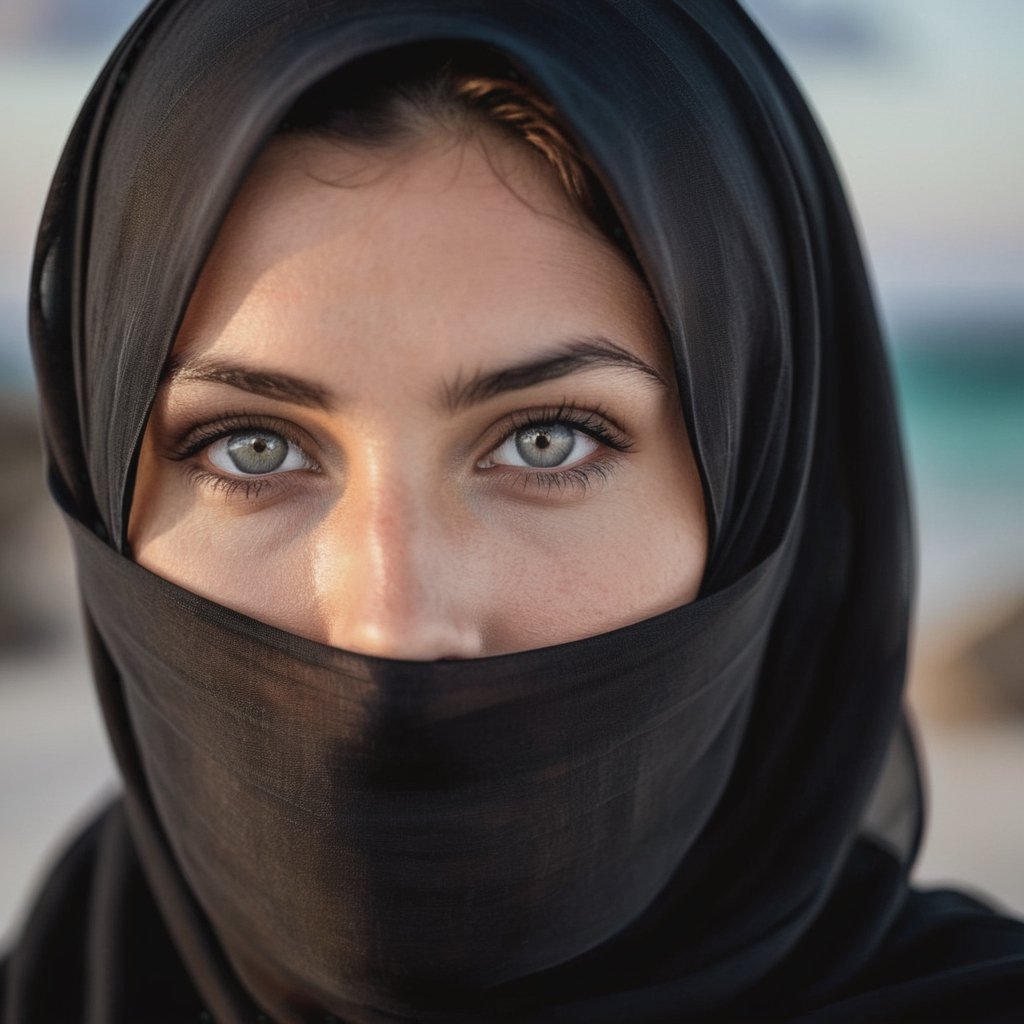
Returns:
<point x="546" y="446"/>
<point x="257" y="453"/>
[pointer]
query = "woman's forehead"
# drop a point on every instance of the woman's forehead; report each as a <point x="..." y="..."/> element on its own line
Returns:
<point x="428" y="257"/>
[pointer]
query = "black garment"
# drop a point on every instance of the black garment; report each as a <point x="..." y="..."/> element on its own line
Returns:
<point x="693" y="817"/>
<point x="945" y="957"/>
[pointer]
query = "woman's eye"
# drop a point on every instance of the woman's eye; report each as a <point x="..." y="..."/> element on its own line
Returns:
<point x="543" y="446"/>
<point x="256" y="453"/>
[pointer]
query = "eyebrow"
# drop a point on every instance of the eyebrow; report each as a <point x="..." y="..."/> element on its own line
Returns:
<point x="571" y="356"/>
<point x="281" y="387"/>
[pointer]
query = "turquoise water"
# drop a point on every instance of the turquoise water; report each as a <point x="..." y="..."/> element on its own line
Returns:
<point x="961" y="391"/>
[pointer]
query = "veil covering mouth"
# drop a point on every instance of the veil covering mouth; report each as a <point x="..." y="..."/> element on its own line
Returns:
<point x="708" y="814"/>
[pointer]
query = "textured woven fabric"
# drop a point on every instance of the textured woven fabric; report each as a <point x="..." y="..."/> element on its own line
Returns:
<point x="670" y="821"/>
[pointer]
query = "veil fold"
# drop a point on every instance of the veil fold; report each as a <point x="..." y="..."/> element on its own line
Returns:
<point x="674" y="820"/>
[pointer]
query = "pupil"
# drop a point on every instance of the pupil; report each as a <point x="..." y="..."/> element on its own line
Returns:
<point x="543" y="441"/>
<point x="259" y="446"/>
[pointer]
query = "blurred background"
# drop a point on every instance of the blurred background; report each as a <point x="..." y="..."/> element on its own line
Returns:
<point x="921" y="104"/>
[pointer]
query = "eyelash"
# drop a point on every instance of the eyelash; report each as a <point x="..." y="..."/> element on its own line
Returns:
<point x="197" y="439"/>
<point x="595" y="423"/>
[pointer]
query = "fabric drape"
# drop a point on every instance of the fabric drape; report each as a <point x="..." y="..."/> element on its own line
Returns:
<point x="706" y="815"/>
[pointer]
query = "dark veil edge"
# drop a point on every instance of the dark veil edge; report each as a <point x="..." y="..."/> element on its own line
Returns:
<point x="55" y="247"/>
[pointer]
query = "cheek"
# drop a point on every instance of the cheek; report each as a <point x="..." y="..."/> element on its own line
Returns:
<point x="260" y="566"/>
<point x="243" y="566"/>
<point x="598" y="570"/>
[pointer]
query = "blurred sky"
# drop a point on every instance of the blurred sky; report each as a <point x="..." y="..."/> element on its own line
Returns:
<point x="920" y="99"/>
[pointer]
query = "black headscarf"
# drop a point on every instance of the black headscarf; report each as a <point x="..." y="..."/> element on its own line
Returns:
<point x="707" y="814"/>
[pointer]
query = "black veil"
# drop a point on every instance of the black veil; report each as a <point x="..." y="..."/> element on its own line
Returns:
<point x="741" y="791"/>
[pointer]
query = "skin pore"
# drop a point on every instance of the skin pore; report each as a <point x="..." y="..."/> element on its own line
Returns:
<point x="420" y="408"/>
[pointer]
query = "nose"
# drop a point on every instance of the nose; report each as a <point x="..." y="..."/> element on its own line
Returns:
<point x="393" y="579"/>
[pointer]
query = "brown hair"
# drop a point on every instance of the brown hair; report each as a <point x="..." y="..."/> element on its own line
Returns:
<point x="405" y="93"/>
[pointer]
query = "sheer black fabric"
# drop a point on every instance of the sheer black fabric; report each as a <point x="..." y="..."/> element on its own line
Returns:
<point x="707" y="815"/>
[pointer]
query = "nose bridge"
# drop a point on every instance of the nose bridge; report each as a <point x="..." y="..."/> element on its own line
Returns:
<point x="402" y="533"/>
<point x="390" y="574"/>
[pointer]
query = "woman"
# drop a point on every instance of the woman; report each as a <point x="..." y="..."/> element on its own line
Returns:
<point x="481" y="463"/>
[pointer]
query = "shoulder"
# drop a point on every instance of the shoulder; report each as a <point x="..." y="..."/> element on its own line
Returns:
<point x="947" y="957"/>
<point x="93" y="939"/>
<point x="53" y="933"/>
<point x="882" y="950"/>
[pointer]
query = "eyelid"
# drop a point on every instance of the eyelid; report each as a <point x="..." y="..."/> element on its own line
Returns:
<point x="594" y="423"/>
<point x="199" y="437"/>
<point x="577" y="477"/>
<point x="196" y="439"/>
<point x="611" y="440"/>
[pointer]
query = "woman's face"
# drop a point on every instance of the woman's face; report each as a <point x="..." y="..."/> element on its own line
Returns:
<point x="420" y="409"/>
